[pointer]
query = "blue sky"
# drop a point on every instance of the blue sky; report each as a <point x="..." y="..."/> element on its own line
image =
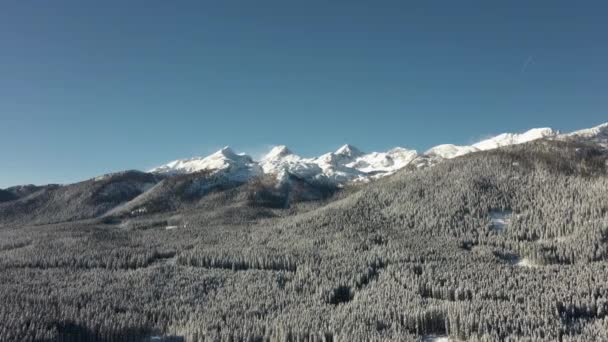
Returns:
<point x="92" y="87"/>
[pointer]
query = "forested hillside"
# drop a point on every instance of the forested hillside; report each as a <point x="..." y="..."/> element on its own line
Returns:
<point x="502" y="245"/>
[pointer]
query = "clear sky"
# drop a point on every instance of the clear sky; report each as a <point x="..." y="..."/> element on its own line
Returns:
<point x="89" y="87"/>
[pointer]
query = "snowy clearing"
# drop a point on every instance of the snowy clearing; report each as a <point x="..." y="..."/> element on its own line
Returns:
<point x="516" y="260"/>
<point x="500" y="219"/>
<point x="525" y="262"/>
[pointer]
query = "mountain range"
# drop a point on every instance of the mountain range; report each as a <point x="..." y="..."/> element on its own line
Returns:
<point x="349" y="164"/>
<point x="278" y="180"/>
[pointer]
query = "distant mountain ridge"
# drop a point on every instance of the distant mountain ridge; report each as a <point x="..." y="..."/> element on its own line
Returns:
<point x="228" y="179"/>
<point x="597" y="135"/>
<point x="349" y="164"/>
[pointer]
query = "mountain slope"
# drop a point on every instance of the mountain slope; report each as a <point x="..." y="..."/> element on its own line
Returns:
<point x="595" y="135"/>
<point x="449" y="151"/>
<point x="406" y="258"/>
<point x="6" y="196"/>
<point x="280" y="179"/>
<point x="507" y="139"/>
<point x="82" y="200"/>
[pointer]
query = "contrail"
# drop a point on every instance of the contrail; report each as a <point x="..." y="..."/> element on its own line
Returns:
<point x="525" y="66"/>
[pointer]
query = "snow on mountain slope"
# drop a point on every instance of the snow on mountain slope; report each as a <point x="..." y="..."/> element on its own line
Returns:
<point x="384" y="162"/>
<point x="334" y="165"/>
<point x="507" y="139"/>
<point x="281" y="162"/>
<point x="597" y="134"/>
<point x="238" y="167"/>
<point x="449" y="151"/>
<point x="344" y="155"/>
<point x="348" y="152"/>
<point x="348" y="164"/>
<point x="345" y="164"/>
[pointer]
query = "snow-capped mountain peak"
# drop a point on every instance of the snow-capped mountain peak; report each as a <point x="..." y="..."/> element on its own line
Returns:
<point x="281" y="162"/>
<point x="349" y="151"/>
<point x="238" y="167"/>
<point x="339" y="158"/>
<point x="225" y="151"/>
<point x="226" y="157"/>
<point x="278" y="151"/>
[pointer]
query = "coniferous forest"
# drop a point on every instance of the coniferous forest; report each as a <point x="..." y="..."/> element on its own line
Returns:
<point x="503" y="245"/>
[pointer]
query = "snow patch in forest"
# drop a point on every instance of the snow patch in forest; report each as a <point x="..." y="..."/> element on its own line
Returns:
<point x="139" y="211"/>
<point x="500" y="219"/>
<point x="525" y="262"/>
<point x="435" y="338"/>
<point x="515" y="260"/>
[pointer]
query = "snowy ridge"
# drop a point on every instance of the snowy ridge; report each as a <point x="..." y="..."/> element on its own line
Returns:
<point x="597" y="135"/>
<point x="345" y="164"/>
<point x="449" y="151"/>
<point x="507" y="139"/>
<point x="238" y="167"/>
<point x="349" y="164"/>
<point x="384" y="162"/>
